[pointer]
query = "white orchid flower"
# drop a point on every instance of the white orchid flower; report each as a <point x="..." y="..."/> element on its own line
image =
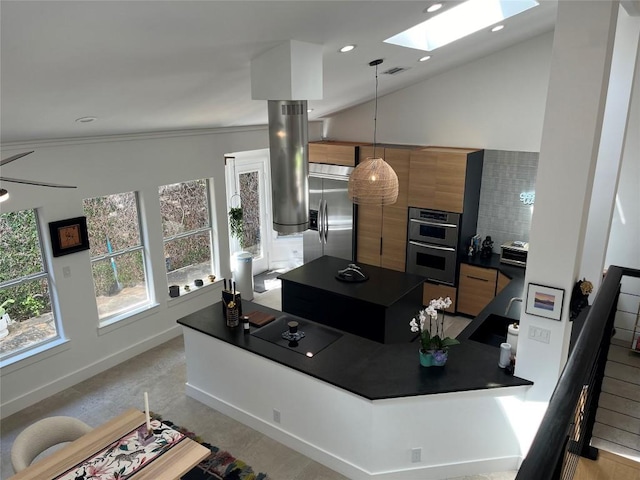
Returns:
<point x="414" y="325"/>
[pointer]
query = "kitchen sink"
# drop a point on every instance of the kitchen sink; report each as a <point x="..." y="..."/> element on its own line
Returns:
<point x="493" y="330"/>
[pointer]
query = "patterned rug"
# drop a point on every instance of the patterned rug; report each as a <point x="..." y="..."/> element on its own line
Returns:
<point x="220" y="465"/>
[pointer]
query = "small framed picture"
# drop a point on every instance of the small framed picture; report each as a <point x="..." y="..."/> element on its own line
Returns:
<point x="69" y="236"/>
<point x="544" y="301"/>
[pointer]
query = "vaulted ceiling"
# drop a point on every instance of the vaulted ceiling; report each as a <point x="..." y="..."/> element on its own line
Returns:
<point x="148" y="66"/>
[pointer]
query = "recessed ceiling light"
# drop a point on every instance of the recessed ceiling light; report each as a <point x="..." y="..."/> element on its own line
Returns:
<point x="347" y="48"/>
<point x="425" y="58"/>
<point x="86" y="119"/>
<point x="497" y="28"/>
<point x="433" y="8"/>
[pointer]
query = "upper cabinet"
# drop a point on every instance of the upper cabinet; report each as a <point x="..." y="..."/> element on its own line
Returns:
<point x="445" y="179"/>
<point x="334" y="152"/>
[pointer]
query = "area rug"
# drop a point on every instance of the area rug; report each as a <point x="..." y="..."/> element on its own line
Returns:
<point x="220" y="465"/>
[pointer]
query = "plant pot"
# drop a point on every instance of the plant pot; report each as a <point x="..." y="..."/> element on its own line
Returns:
<point x="426" y="359"/>
<point x="4" y="322"/>
<point x="440" y="358"/>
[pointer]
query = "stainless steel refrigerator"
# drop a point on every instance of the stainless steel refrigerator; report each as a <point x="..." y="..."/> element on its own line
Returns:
<point x="330" y="215"/>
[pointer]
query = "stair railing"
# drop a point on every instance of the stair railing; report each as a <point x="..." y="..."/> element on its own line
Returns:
<point x="564" y="434"/>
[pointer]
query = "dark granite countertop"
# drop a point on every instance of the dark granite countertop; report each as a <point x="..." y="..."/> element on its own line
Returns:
<point x="499" y="304"/>
<point x="384" y="287"/>
<point x="366" y="368"/>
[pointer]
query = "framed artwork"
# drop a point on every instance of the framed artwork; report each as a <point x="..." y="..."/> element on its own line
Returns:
<point x="544" y="301"/>
<point x="69" y="236"/>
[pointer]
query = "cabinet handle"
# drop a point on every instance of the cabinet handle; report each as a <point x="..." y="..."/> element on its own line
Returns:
<point x="478" y="278"/>
<point x="380" y="245"/>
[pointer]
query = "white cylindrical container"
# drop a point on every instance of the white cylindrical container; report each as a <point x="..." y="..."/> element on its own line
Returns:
<point x="243" y="275"/>
<point x="512" y="337"/>
<point x="505" y="355"/>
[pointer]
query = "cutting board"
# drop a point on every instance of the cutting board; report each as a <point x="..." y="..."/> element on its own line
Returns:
<point x="258" y="319"/>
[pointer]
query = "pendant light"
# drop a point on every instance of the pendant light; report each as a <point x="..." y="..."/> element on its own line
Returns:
<point x="373" y="181"/>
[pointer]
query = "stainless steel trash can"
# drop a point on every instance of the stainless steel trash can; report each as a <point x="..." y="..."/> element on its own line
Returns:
<point x="244" y="275"/>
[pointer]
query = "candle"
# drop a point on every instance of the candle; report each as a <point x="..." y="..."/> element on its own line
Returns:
<point x="146" y="411"/>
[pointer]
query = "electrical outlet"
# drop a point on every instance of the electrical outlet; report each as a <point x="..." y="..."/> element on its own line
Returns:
<point x="276" y="415"/>
<point x="416" y="454"/>
<point x="539" y="334"/>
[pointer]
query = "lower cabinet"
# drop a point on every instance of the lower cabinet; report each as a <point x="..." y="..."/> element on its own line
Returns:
<point x="431" y="291"/>
<point x="476" y="288"/>
<point x="503" y="281"/>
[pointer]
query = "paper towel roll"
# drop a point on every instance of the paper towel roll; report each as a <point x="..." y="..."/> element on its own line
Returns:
<point x="505" y="355"/>
<point x="512" y="337"/>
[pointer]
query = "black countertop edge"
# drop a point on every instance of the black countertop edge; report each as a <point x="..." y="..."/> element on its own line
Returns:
<point x="369" y="369"/>
<point x="499" y="304"/>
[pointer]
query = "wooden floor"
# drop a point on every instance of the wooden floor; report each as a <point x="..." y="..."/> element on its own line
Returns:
<point x="608" y="466"/>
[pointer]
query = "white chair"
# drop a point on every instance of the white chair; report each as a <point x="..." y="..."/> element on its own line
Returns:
<point x="42" y="435"/>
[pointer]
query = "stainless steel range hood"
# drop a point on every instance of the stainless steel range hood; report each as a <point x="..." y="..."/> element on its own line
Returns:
<point x="288" y="72"/>
<point x="289" y="152"/>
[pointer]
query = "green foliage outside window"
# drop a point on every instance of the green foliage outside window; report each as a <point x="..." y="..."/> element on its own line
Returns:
<point x="20" y="258"/>
<point x="185" y="208"/>
<point x="113" y="225"/>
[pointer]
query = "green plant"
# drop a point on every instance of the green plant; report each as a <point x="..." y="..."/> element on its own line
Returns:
<point x="236" y="224"/>
<point x="432" y="333"/>
<point x="3" y="307"/>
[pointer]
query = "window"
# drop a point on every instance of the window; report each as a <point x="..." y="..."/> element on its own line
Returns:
<point x="118" y="259"/>
<point x="186" y="226"/>
<point x="24" y="286"/>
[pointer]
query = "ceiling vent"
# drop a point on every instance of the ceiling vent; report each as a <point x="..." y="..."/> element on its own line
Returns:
<point x="395" y="70"/>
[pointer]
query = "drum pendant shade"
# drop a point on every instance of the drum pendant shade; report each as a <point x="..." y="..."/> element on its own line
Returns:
<point x="373" y="182"/>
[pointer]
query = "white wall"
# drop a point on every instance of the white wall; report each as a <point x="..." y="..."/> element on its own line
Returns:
<point x="625" y="226"/>
<point x="495" y="102"/>
<point x="99" y="167"/>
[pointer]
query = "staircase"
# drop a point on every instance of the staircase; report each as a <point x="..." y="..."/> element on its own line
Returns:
<point x="617" y="427"/>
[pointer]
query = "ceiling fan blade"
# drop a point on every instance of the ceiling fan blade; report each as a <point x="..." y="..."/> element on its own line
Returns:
<point x="15" y="157"/>
<point x="35" y="182"/>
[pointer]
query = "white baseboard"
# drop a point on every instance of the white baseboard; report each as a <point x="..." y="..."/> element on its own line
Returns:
<point x="342" y="466"/>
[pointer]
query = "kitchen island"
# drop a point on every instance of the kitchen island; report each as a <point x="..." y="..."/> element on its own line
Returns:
<point x="377" y="308"/>
<point x="356" y="405"/>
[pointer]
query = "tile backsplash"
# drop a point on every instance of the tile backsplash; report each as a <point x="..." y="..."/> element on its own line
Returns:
<point x="505" y="175"/>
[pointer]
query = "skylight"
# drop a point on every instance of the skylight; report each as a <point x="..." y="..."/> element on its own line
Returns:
<point x="458" y="22"/>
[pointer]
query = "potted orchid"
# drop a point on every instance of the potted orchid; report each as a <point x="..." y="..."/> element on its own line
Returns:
<point x="434" y="346"/>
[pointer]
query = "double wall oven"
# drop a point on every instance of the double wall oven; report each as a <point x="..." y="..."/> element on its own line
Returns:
<point x="432" y="244"/>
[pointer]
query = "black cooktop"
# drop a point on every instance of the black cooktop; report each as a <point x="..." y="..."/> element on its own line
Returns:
<point x="315" y="338"/>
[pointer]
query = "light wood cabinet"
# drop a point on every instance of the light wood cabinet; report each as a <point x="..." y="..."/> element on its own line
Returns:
<point x="476" y="288"/>
<point x="382" y="231"/>
<point x="503" y="281"/>
<point x="445" y="179"/>
<point x="334" y="152"/>
<point x="431" y="291"/>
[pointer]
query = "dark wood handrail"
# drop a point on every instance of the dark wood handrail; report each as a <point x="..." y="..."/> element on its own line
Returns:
<point x="545" y="454"/>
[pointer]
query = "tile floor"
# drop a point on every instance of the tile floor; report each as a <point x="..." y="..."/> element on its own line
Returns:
<point x="161" y="372"/>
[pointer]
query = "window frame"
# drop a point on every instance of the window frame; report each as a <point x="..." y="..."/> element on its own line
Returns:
<point x="195" y="232"/>
<point x="42" y="346"/>
<point x="141" y="247"/>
